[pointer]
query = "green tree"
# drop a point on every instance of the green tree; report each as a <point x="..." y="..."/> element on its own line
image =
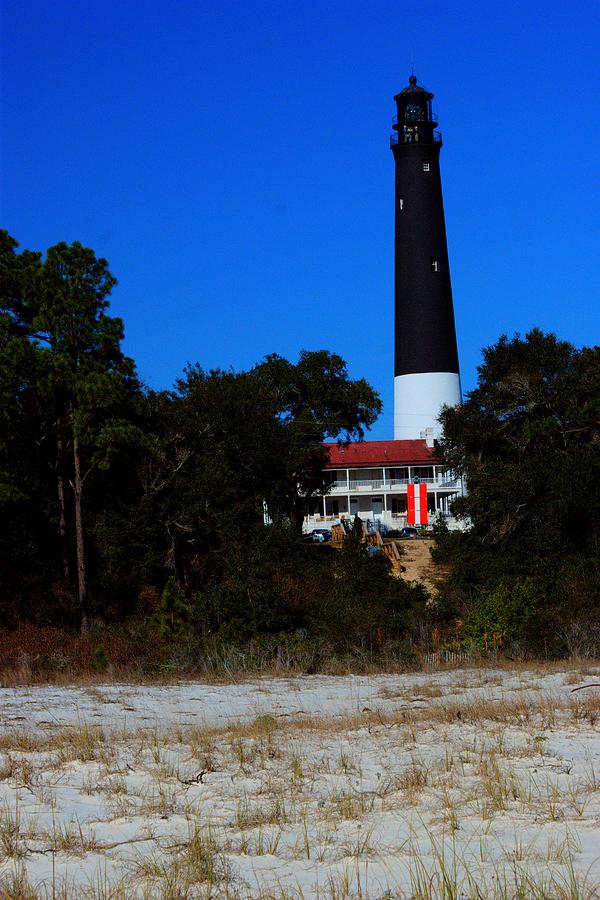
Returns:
<point x="84" y="382"/>
<point x="26" y="535"/>
<point x="225" y="443"/>
<point x="312" y="401"/>
<point x="527" y="441"/>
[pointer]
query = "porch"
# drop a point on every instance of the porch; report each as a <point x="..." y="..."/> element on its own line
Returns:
<point x="385" y="508"/>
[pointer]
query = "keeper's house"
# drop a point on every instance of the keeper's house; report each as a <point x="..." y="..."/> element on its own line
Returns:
<point x="392" y="483"/>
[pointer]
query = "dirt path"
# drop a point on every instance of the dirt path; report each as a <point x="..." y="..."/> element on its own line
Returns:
<point x="419" y="564"/>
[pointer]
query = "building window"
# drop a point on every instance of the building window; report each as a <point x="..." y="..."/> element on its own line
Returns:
<point x="426" y="167"/>
<point x="423" y="474"/>
<point x="434" y="264"/>
<point x="400" y="203"/>
<point x="399" y="505"/>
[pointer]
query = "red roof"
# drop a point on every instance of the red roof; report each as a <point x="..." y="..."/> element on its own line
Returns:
<point x="379" y="453"/>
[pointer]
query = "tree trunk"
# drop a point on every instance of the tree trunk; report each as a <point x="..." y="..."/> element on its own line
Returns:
<point x="62" y="512"/>
<point x="79" y="537"/>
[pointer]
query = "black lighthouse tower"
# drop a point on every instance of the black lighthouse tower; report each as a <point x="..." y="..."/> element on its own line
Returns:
<point x="426" y="373"/>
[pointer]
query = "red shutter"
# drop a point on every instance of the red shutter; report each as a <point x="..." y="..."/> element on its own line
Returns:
<point x="423" y="499"/>
<point x="410" y="498"/>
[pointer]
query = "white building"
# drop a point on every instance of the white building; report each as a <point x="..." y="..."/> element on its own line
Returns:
<point x="371" y="479"/>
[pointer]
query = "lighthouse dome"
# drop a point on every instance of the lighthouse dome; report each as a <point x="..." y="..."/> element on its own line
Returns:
<point x="414" y="88"/>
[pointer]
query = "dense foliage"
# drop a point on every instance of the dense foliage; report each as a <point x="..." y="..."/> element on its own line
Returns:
<point x="526" y="575"/>
<point x="146" y="509"/>
<point x="138" y="516"/>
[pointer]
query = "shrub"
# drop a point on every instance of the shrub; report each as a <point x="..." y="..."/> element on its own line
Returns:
<point x="99" y="661"/>
<point x="440" y="527"/>
<point x="503" y="614"/>
<point x="174" y="612"/>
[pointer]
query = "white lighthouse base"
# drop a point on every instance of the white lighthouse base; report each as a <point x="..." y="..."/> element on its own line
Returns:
<point x="418" y="400"/>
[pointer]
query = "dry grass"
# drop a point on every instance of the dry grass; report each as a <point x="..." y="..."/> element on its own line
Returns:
<point x="32" y="654"/>
<point x="452" y="796"/>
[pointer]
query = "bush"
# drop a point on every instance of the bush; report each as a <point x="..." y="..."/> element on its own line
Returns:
<point x="174" y="613"/>
<point x="99" y="662"/>
<point x="503" y="614"/>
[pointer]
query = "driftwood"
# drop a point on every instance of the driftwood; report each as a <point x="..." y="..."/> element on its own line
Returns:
<point x="584" y="686"/>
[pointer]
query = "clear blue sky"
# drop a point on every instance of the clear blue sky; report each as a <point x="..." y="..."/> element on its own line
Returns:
<point x="231" y="161"/>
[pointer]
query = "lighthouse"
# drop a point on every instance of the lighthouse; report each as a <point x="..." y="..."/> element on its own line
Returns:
<point x="404" y="482"/>
<point x="426" y="372"/>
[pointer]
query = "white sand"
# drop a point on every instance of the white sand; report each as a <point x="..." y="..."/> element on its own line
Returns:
<point x="345" y="787"/>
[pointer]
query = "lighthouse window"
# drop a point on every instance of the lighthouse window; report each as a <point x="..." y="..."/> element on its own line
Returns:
<point x="426" y="167"/>
<point x="434" y="264"/>
<point x="401" y="203"/>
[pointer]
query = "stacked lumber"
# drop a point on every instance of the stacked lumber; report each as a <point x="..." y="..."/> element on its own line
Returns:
<point x="338" y="533"/>
<point x="392" y="551"/>
<point x="373" y="538"/>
